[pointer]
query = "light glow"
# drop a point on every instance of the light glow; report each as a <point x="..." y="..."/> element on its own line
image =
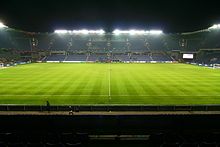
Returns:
<point x="61" y="31"/>
<point x="84" y="32"/>
<point x="2" y="25"/>
<point x="137" y="32"/>
<point x="215" y="26"/>
<point x="88" y="31"/>
<point x="155" y="32"/>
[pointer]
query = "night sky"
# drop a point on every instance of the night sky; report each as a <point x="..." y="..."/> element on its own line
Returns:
<point x="169" y="15"/>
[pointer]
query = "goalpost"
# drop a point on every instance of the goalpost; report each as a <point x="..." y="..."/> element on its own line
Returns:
<point x="1" y="65"/>
<point x="216" y="66"/>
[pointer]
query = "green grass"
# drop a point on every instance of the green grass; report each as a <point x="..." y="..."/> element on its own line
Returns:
<point x="63" y="83"/>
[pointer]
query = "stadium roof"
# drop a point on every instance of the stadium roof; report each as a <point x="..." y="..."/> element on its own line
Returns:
<point x="115" y="32"/>
<point x="170" y="16"/>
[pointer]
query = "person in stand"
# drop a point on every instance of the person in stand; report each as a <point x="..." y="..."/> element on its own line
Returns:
<point x="48" y="106"/>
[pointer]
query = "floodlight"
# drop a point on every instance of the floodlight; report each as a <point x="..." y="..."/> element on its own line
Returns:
<point x="117" y="32"/>
<point x="137" y="32"/>
<point x="61" y="31"/>
<point x="215" y="26"/>
<point x="84" y="31"/>
<point x="101" y="32"/>
<point x="2" y="25"/>
<point x="155" y="32"/>
<point x="75" y="32"/>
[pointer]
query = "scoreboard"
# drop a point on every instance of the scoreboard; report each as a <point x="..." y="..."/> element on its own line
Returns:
<point x="188" y="56"/>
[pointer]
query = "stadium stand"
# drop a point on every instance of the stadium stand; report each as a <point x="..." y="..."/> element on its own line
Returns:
<point x="141" y="57"/>
<point x="76" y="57"/>
<point x="160" y="57"/>
<point x="76" y="139"/>
<point x="207" y="56"/>
<point x="56" y="58"/>
<point x="121" y="57"/>
<point x="25" y="46"/>
<point x="98" y="57"/>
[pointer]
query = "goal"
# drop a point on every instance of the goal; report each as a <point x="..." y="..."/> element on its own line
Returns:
<point x="1" y="65"/>
<point x="216" y="66"/>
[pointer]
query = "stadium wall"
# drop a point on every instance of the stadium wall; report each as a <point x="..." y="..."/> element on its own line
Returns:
<point x="110" y="108"/>
<point x="106" y="124"/>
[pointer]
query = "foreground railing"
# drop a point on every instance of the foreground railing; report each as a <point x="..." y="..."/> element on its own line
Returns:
<point x="78" y="108"/>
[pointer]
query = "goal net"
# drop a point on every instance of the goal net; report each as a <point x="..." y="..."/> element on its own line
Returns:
<point x="216" y="66"/>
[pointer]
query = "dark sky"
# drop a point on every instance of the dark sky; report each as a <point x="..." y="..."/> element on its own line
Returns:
<point x="168" y="15"/>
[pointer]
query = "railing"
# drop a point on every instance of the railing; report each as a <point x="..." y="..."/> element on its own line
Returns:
<point x="97" y="108"/>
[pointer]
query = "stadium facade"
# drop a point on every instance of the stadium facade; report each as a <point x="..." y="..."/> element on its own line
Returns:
<point x="201" y="47"/>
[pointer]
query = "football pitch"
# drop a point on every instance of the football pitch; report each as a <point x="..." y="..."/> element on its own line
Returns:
<point x="108" y="84"/>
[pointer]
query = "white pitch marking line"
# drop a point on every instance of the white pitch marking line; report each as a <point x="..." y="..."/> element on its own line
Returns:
<point x="110" y="95"/>
<point x="49" y="95"/>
